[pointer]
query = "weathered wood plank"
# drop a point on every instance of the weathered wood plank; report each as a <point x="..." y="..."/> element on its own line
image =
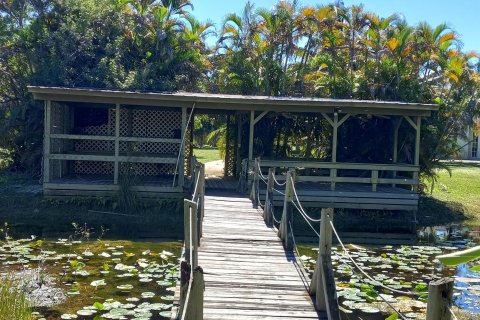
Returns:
<point x="248" y="274"/>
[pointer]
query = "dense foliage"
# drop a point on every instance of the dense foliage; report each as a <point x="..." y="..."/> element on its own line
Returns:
<point x="325" y="51"/>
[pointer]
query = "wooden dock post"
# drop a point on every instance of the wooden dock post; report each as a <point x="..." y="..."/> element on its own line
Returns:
<point x="267" y="210"/>
<point x="201" y="199"/>
<point x="190" y="231"/>
<point x="439" y="299"/>
<point x="323" y="282"/>
<point x="284" y="230"/>
<point x="191" y="304"/>
<point x="255" y="183"/>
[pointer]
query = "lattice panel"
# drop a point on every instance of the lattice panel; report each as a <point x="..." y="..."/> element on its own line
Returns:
<point x="93" y="167"/>
<point x="150" y="123"/>
<point x="147" y="169"/>
<point x="101" y="130"/>
<point x="149" y="148"/>
<point x="231" y="147"/>
<point x="95" y="146"/>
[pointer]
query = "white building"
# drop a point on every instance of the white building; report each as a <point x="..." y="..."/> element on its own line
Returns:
<point x="470" y="148"/>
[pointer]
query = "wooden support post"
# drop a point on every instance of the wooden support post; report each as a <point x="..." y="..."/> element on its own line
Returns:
<point x="201" y="202"/>
<point x="397" y="124"/>
<point x="323" y="282"/>
<point x="185" y="274"/>
<point x="417" y="140"/>
<point x="238" y="160"/>
<point x="440" y="299"/>
<point x="335" y="137"/>
<point x="250" y="137"/>
<point x="181" y="164"/>
<point x="228" y="147"/>
<point x="190" y="231"/>
<point x="255" y="183"/>
<point x="195" y="303"/>
<point x="333" y="177"/>
<point x="374" y="180"/>
<point x="284" y="230"/>
<point x="116" y="170"/>
<point x="46" y="141"/>
<point x="267" y="210"/>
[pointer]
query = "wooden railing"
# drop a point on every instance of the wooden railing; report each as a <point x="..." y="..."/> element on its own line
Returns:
<point x="191" y="276"/>
<point x="341" y="172"/>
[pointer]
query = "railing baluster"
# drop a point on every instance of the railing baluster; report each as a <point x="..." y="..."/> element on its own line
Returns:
<point x="255" y="184"/>
<point x="267" y="210"/>
<point x="374" y="180"/>
<point x="333" y="177"/>
<point x="284" y="230"/>
<point x="323" y="282"/>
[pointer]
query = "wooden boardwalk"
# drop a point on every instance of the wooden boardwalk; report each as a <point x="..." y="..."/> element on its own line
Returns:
<point x="248" y="274"/>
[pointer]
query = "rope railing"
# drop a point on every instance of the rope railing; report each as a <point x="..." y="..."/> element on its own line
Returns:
<point x="191" y="275"/>
<point x="363" y="280"/>
<point x="323" y="274"/>
<point x="378" y="283"/>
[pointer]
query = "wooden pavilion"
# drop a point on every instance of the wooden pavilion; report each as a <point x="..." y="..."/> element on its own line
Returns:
<point x="95" y="141"/>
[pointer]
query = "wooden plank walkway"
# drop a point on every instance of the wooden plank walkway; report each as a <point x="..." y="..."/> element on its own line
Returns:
<point x="248" y="275"/>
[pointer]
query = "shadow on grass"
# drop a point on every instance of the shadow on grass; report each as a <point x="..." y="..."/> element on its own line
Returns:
<point x="434" y="212"/>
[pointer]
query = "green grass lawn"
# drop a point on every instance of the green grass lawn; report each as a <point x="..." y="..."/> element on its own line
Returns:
<point x="206" y="155"/>
<point x="463" y="187"/>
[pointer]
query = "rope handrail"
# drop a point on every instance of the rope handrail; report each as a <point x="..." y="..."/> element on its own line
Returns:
<point x="306" y="219"/>
<point x="182" y="144"/>
<point x="300" y="204"/>
<point x="278" y="183"/>
<point x="266" y="178"/>
<point x="194" y="228"/>
<point x="449" y="307"/>
<point x="296" y="249"/>
<point x="260" y="174"/>
<point x="410" y="293"/>
<point x="272" y="212"/>
<point x="190" y="281"/>
<point x="363" y="280"/>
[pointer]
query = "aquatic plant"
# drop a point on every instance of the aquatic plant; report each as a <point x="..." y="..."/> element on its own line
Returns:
<point x="13" y="301"/>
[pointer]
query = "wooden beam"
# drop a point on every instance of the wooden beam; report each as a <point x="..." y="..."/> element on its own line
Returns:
<point x="409" y="119"/>
<point x="238" y="160"/>
<point x="116" y="170"/>
<point x="397" y="124"/>
<point x="345" y="118"/>
<point x="181" y="165"/>
<point x="327" y="118"/>
<point x="335" y="137"/>
<point x="264" y="113"/>
<point x="418" y="128"/>
<point x="46" y="141"/>
<point x="250" y="137"/>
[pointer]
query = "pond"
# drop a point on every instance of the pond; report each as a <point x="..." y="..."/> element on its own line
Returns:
<point x="78" y="278"/>
<point x="399" y="275"/>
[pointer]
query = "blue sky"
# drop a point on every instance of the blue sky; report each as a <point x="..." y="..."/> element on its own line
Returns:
<point x="462" y="15"/>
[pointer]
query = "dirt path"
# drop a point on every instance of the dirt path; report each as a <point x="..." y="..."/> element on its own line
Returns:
<point x="214" y="168"/>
